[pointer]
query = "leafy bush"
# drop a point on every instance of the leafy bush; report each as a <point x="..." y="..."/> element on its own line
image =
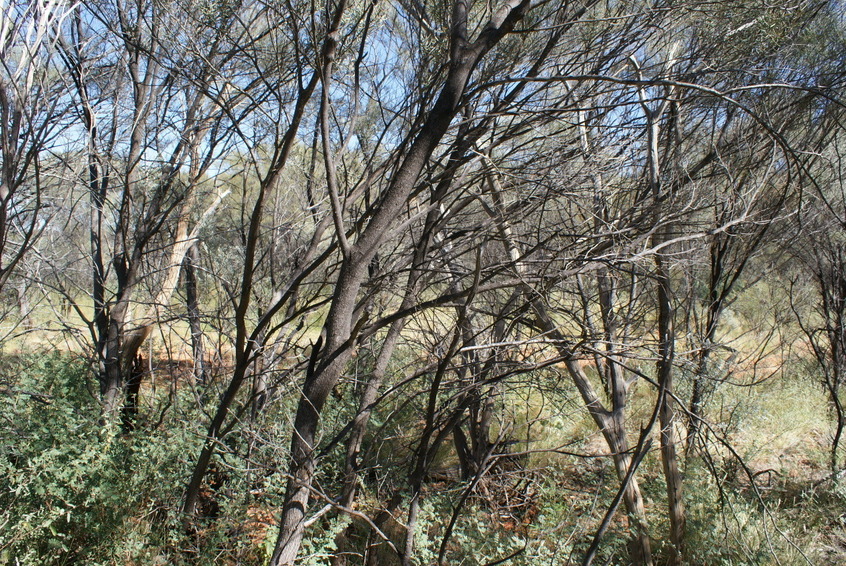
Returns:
<point x="73" y="488"/>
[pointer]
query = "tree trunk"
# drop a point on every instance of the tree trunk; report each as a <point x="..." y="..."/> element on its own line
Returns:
<point x="666" y="314"/>
<point x="640" y="549"/>
<point x="669" y="455"/>
<point x="189" y="269"/>
<point x="610" y="423"/>
<point x="338" y="327"/>
<point x="715" y="308"/>
<point x="129" y="411"/>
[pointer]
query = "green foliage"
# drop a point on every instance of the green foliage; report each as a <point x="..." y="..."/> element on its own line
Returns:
<point x="319" y="548"/>
<point x="730" y="527"/>
<point x="56" y="465"/>
<point x="73" y="488"/>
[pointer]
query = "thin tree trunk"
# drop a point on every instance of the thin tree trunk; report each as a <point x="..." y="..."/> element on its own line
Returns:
<point x="667" y="419"/>
<point x="129" y="411"/>
<point x="374" y="383"/>
<point x="190" y="265"/>
<point x="260" y="390"/>
<point x="666" y="314"/>
<point x="432" y="436"/>
<point x="715" y="308"/>
<point x="243" y="344"/>
<point x="640" y="547"/>
<point x="610" y="423"/>
<point x="666" y="332"/>
<point x="413" y="513"/>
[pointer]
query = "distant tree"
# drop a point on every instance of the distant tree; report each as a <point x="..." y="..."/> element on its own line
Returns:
<point x="33" y="118"/>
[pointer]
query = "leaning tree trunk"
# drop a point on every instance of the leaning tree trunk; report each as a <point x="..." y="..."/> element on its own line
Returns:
<point x="332" y="360"/>
<point x="611" y="423"/>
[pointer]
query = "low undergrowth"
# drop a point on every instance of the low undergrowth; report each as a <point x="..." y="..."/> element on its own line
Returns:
<point x="75" y="489"/>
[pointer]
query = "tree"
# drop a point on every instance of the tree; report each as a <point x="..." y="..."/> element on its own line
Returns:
<point x="33" y="107"/>
<point x="145" y="194"/>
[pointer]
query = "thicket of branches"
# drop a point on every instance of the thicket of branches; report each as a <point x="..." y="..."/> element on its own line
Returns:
<point x="321" y="260"/>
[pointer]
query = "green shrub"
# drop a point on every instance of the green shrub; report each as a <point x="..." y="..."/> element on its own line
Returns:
<point x="73" y="489"/>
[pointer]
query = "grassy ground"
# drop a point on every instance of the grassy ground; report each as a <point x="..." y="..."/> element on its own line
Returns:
<point x="769" y="499"/>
